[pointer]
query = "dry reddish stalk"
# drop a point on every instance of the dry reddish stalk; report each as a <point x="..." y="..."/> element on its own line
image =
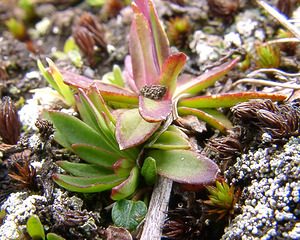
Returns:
<point x="10" y="126"/>
<point x="21" y="171"/>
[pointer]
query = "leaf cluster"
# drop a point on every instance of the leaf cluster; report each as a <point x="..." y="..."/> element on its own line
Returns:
<point x="126" y="128"/>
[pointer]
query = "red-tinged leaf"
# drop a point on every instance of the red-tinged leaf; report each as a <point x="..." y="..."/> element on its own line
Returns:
<point x="128" y="75"/>
<point x="210" y="119"/>
<point x="76" y="80"/>
<point x="207" y="79"/>
<point x="132" y="129"/>
<point x="159" y="35"/>
<point x="160" y="43"/>
<point x="145" y="71"/>
<point x="109" y="92"/>
<point x="127" y="187"/>
<point x="87" y="184"/>
<point x="84" y="169"/>
<point x="154" y="110"/>
<point x="228" y="99"/>
<point x="184" y="166"/>
<point x="170" y="71"/>
<point x="123" y="166"/>
<point x="95" y="155"/>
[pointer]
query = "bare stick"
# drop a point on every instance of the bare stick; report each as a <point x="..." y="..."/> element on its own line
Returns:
<point x="157" y="210"/>
<point x="280" y="18"/>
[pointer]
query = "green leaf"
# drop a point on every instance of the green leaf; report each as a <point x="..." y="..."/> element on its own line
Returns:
<point x="95" y="155"/>
<point x="73" y="52"/>
<point x="48" y="76"/>
<point x="98" y="114"/>
<point x="171" y="140"/>
<point x="74" y="131"/>
<point x="149" y="171"/>
<point x="227" y="99"/>
<point x="127" y="187"/>
<point x="217" y="123"/>
<point x="207" y="79"/>
<point x="84" y="169"/>
<point x="53" y="236"/>
<point x="184" y="166"/>
<point x="115" y="77"/>
<point x="87" y="184"/>
<point x="132" y="129"/>
<point x="95" y="3"/>
<point x="63" y="89"/>
<point x="128" y="214"/>
<point x="35" y="228"/>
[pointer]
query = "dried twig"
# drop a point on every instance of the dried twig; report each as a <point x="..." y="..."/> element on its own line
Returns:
<point x="280" y="18"/>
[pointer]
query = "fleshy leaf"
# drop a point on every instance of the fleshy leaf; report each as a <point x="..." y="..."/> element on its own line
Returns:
<point x="53" y="236"/>
<point x="95" y="155"/>
<point x="206" y="79"/>
<point x="145" y="71"/>
<point x="149" y="171"/>
<point x="128" y="214"/>
<point x="171" y="140"/>
<point x="170" y="71"/>
<point x="87" y="184"/>
<point x="132" y="129"/>
<point x="154" y="110"/>
<point x="227" y="99"/>
<point x="222" y="126"/>
<point x="184" y="166"/>
<point x="84" y="169"/>
<point x="109" y="92"/>
<point x="127" y="187"/>
<point x="159" y="36"/>
<point x="35" y="228"/>
<point x="74" y="130"/>
<point x="123" y="166"/>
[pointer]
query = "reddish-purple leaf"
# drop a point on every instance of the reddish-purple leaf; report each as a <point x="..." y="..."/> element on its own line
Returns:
<point x="108" y="92"/>
<point x="159" y="37"/>
<point x="132" y="129"/>
<point x="128" y="75"/>
<point x="154" y="110"/>
<point x="170" y="71"/>
<point x="145" y="70"/>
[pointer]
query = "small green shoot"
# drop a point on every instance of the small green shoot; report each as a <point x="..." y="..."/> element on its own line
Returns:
<point x="36" y="231"/>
